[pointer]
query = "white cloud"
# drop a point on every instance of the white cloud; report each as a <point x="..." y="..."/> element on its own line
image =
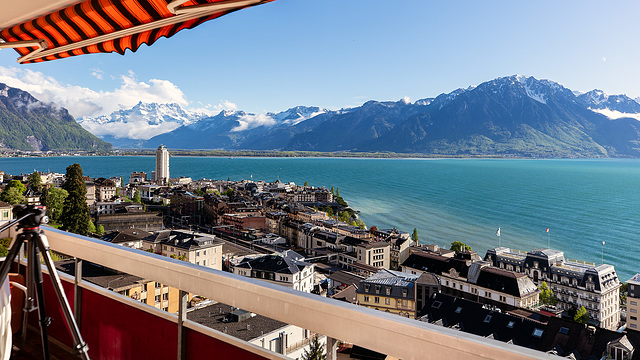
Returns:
<point x="212" y="110"/>
<point x="250" y="121"/>
<point x="82" y="101"/>
<point x="131" y="130"/>
<point x="97" y="73"/>
<point x="615" y="114"/>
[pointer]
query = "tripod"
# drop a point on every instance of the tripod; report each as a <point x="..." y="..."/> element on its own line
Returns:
<point x="29" y="219"/>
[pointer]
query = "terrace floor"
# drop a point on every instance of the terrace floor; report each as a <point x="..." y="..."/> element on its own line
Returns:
<point x="33" y="348"/>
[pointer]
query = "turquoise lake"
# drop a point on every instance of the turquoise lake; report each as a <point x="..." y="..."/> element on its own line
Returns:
<point x="583" y="202"/>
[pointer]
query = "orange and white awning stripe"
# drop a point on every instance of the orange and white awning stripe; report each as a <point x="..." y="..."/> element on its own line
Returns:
<point x="103" y="26"/>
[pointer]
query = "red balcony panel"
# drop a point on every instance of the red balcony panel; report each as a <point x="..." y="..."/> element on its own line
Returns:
<point x="201" y="346"/>
<point x="115" y="330"/>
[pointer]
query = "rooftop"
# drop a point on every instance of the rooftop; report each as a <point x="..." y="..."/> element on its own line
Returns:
<point x="217" y="316"/>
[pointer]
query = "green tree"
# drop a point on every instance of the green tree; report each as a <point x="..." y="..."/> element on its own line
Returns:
<point x="92" y="227"/>
<point x="137" y="198"/>
<point x="306" y="183"/>
<point x="12" y="196"/>
<point x="35" y="181"/>
<point x="13" y="193"/>
<point x="4" y="246"/>
<point x="338" y="192"/>
<point x="316" y="350"/>
<point x="53" y="198"/>
<point x="581" y="316"/>
<point x="414" y="236"/>
<point x="100" y="229"/>
<point x="547" y="297"/>
<point x="457" y="246"/>
<point x="333" y="192"/>
<point x="75" y="212"/>
<point x="361" y="224"/>
<point x="117" y="191"/>
<point x="344" y="216"/>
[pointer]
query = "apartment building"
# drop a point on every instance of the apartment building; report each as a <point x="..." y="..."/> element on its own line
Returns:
<point x="575" y="283"/>
<point x="287" y="268"/>
<point x="633" y="303"/>
<point x="194" y="248"/>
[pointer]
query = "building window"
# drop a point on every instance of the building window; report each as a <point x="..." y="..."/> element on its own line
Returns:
<point x="387" y="301"/>
<point x="633" y="302"/>
<point x="165" y="296"/>
<point x="366" y="299"/>
<point x="377" y="289"/>
<point x="634" y="318"/>
<point x="197" y="253"/>
<point x="404" y="292"/>
<point x="158" y="285"/>
<point x="376" y="299"/>
<point x="388" y="290"/>
<point x="157" y="298"/>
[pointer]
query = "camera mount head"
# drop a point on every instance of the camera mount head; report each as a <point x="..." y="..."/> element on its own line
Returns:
<point x="31" y="216"/>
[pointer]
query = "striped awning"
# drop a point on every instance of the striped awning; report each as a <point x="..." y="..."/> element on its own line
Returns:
<point x="104" y="26"/>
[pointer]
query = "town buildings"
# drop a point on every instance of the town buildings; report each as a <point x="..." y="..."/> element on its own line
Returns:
<point x="162" y="165"/>
<point x="397" y="292"/>
<point x="464" y="275"/>
<point x="633" y="303"/>
<point x="575" y="283"/>
<point x="287" y="268"/>
<point x="194" y="248"/>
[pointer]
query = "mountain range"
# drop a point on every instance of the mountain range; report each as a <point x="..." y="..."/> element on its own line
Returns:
<point x="507" y="116"/>
<point x="28" y="124"/>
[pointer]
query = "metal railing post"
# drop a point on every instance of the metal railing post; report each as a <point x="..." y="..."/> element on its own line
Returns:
<point x="332" y="348"/>
<point x="182" y="317"/>
<point x="77" y="291"/>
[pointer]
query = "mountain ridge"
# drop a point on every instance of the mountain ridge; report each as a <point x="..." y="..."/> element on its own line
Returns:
<point x="31" y="125"/>
<point x="507" y="116"/>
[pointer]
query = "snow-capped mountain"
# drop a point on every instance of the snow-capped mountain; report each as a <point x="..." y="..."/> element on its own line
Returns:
<point x="143" y="121"/>
<point x="511" y="116"/>
<point x="612" y="106"/>
<point x="296" y="114"/>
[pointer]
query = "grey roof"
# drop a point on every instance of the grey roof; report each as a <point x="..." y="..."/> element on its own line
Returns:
<point x="282" y="263"/>
<point x="390" y="277"/>
<point x="183" y="240"/>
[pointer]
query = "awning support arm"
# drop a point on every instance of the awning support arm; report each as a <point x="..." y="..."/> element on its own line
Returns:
<point x="41" y="45"/>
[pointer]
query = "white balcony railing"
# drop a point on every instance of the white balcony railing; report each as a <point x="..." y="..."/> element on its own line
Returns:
<point x="379" y="331"/>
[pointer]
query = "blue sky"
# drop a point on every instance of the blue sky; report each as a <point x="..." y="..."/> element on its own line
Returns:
<point x="336" y="54"/>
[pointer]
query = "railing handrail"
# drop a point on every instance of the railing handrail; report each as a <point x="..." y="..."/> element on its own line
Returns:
<point x="375" y="330"/>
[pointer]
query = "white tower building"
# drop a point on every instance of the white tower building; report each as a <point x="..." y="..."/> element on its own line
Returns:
<point x="162" y="165"/>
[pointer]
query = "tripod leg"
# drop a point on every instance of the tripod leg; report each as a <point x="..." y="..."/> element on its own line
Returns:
<point x="34" y="261"/>
<point x="11" y="257"/>
<point x="81" y="347"/>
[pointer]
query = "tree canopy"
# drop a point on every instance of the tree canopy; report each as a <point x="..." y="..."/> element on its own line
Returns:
<point x="75" y="212"/>
<point x="316" y="350"/>
<point x="581" y="316"/>
<point x="35" y="181"/>
<point x="13" y="193"/>
<point x="547" y="297"/>
<point x="53" y="198"/>
<point x="457" y="246"/>
<point x="414" y="236"/>
<point x="137" y="198"/>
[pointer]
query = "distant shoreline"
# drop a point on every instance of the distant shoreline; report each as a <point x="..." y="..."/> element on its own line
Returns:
<point x="275" y="154"/>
